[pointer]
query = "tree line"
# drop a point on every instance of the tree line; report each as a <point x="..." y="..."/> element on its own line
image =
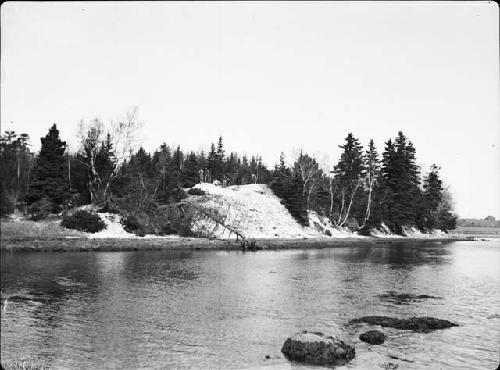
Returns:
<point x="361" y="191"/>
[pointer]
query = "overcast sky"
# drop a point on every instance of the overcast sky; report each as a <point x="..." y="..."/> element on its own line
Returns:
<point x="268" y="77"/>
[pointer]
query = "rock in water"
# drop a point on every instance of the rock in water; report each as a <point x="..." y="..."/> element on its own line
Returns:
<point x="423" y="324"/>
<point x="404" y="298"/>
<point x="373" y="337"/>
<point x="317" y="349"/>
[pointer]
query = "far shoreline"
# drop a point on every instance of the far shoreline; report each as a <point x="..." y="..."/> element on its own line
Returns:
<point x="81" y="244"/>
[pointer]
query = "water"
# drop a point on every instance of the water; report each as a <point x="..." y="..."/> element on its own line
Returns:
<point x="219" y="310"/>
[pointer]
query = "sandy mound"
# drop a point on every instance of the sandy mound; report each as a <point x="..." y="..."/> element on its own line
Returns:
<point x="254" y="212"/>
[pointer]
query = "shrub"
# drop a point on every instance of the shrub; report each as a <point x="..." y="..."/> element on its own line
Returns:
<point x="108" y="208"/>
<point x="132" y="224"/>
<point x="83" y="221"/>
<point x="7" y="203"/>
<point x="177" y="195"/>
<point x="195" y="191"/>
<point x="39" y="209"/>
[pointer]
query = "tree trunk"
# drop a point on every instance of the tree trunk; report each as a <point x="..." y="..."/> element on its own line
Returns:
<point x="368" y="205"/>
<point x="350" y="203"/>
<point x="342" y="206"/>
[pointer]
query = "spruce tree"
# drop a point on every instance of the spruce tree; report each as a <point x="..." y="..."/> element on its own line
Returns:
<point x="219" y="161"/>
<point x="161" y="163"/>
<point x="400" y="181"/>
<point x="49" y="180"/>
<point x="212" y="163"/>
<point x="189" y="174"/>
<point x="432" y="196"/>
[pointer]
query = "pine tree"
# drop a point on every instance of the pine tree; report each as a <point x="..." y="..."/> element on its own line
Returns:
<point x="49" y="180"/>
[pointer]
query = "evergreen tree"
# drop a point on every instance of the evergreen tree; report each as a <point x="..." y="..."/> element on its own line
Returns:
<point x="189" y="175"/>
<point x="245" y="172"/>
<point x="161" y="163"/>
<point x="401" y="181"/>
<point x="232" y="167"/>
<point x="348" y="176"/>
<point x="49" y="180"/>
<point x="291" y="192"/>
<point x="372" y="167"/>
<point x="432" y="196"/>
<point x="174" y="173"/>
<point x="79" y="179"/>
<point x="219" y="161"/>
<point x="282" y="166"/>
<point x="212" y="163"/>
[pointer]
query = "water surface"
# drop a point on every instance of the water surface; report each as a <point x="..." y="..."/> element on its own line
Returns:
<point x="225" y="310"/>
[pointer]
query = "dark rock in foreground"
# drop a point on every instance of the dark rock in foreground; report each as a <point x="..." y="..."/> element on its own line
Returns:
<point x="419" y="324"/>
<point x="404" y="298"/>
<point x="373" y="337"/>
<point x="317" y="349"/>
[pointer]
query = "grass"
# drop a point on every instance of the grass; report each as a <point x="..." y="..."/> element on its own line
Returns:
<point x="31" y="230"/>
<point x="24" y="365"/>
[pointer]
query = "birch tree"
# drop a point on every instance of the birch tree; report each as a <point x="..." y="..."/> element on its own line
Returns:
<point x="372" y="167"/>
<point x="349" y="176"/>
<point x="113" y="143"/>
<point x="308" y="170"/>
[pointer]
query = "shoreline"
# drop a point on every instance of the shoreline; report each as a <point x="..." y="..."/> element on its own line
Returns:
<point x="27" y="245"/>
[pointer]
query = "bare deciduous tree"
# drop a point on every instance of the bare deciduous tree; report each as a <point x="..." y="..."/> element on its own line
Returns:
<point x="121" y="136"/>
<point x="309" y="172"/>
<point x="372" y="173"/>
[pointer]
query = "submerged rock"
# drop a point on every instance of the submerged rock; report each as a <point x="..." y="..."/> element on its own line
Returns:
<point x="373" y="337"/>
<point x="318" y="349"/>
<point x="419" y="324"/>
<point x="389" y="366"/>
<point x="403" y="298"/>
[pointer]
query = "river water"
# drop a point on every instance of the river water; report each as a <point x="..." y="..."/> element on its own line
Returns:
<point x="228" y="310"/>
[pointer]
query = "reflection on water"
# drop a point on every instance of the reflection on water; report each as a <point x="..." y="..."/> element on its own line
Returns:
<point x="213" y="309"/>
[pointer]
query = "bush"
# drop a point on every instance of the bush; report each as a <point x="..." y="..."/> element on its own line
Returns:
<point x="39" y="209"/>
<point x="195" y="191"/>
<point x="109" y="208"/>
<point x="7" y="204"/>
<point x="177" y="195"/>
<point x="132" y="224"/>
<point x="83" y="221"/>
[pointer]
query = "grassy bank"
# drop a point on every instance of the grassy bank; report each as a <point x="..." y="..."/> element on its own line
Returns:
<point x="49" y="236"/>
<point x="30" y="230"/>
<point x="139" y="244"/>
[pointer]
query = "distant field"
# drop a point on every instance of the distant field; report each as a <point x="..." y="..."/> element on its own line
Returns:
<point x="477" y="230"/>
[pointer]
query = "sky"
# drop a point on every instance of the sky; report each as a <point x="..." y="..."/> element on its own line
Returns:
<point x="268" y="77"/>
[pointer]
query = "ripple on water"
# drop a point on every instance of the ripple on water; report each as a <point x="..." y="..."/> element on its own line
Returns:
<point x="214" y="309"/>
